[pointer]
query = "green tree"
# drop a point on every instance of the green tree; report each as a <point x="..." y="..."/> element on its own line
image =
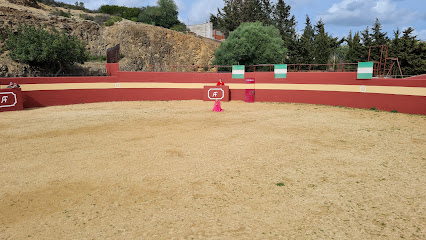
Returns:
<point x="149" y="15"/>
<point x="169" y="13"/>
<point x="121" y="11"/>
<point x="236" y="12"/>
<point x="165" y="14"/>
<point x="306" y="46"/>
<point x="230" y="17"/>
<point x="378" y="37"/>
<point x="367" y="41"/>
<point x="251" y="43"/>
<point x="355" y="48"/>
<point x="413" y="56"/>
<point x="267" y="11"/>
<point x="252" y="11"/>
<point x="41" y="48"/>
<point x="287" y="27"/>
<point x="321" y="48"/>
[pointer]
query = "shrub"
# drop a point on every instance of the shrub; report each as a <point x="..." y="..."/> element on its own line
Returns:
<point x="87" y="17"/>
<point x="180" y="27"/>
<point x="93" y="58"/>
<point x="101" y="19"/>
<point x="39" y="47"/>
<point x="113" y="20"/>
<point x="62" y="13"/>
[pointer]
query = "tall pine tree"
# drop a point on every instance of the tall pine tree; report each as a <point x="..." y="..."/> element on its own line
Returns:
<point x="306" y="43"/>
<point x="287" y="27"/>
<point x="322" y="48"/>
<point x="355" y="48"/>
<point x="230" y="17"/>
<point x="367" y="41"/>
<point x="413" y="57"/>
<point x="378" y="38"/>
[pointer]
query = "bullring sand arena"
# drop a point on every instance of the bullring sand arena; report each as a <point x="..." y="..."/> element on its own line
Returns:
<point x="176" y="170"/>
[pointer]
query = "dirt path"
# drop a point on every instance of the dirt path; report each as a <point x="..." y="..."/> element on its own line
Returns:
<point x="162" y="170"/>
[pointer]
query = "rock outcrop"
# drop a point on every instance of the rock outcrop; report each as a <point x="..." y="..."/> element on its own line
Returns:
<point x="142" y="45"/>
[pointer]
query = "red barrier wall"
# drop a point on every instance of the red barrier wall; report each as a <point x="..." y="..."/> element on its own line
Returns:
<point x="338" y="89"/>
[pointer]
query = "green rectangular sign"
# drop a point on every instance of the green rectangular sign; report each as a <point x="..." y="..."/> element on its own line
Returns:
<point x="280" y="70"/>
<point x="365" y="70"/>
<point x="238" y="71"/>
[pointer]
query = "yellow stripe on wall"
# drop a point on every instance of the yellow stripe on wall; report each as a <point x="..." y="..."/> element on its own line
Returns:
<point x="415" y="91"/>
<point x="71" y="86"/>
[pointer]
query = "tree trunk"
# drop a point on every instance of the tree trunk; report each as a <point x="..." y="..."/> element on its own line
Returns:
<point x="60" y="69"/>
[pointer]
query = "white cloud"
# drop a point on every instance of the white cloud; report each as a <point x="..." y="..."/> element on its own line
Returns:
<point x="364" y="12"/>
<point x="200" y="11"/>
<point x="181" y="5"/>
<point x="421" y="34"/>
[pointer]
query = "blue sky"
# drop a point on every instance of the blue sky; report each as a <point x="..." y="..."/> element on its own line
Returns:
<point x="339" y="16"/>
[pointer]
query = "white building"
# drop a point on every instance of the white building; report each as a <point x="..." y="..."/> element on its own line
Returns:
<point x="206" y="30"/>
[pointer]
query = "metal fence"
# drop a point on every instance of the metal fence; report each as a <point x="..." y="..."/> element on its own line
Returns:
<point x="338" y="67"/>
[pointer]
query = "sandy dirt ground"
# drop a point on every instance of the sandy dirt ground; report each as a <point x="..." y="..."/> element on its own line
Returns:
<point x="176" y="170"/>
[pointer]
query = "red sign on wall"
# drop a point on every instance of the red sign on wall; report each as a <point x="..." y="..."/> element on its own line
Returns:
<point x="250" y="90"/>
<point x="10" y="100"/>
<point x="216" y="94"/>
<point x="212" y="93"/>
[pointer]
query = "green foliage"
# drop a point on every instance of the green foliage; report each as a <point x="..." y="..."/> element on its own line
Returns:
<point x="236" y="12"/>
<point x="378" y="37"/>
<point x="412" y="53"/>
<point x="306" y="43"/>
<point x="284" y="23"/>
<point x="124" y="12"/>
<point x="102" y="18"/>
<point x="181" y="27"/>
<point x="280" y="184"/>
<point x="251" y="43"/>
<point x="321" y="48"/>
<point x="93" y="58"/>
<point x="62" y="13"/>
<point x="165" y="14"/>
<point x="149" y="15"/>
<point x="53" y="3"/>
<point x="355" y="48"/>
<point x="87" y="17"/>
<point x="113" y="20"/>
<point x="39" y="47"/>
<point x="324" y="44"/>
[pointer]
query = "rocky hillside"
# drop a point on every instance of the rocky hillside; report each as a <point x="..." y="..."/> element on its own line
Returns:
<point x="142" y="45"/>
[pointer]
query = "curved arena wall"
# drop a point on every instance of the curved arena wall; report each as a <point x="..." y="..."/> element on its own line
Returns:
<point x="336" y="89"/>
